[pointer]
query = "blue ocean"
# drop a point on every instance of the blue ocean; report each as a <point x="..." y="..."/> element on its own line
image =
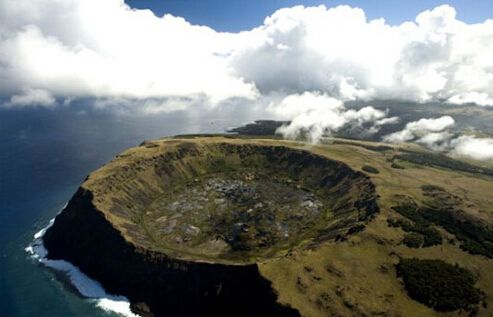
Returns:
<point x="44" y="155"/>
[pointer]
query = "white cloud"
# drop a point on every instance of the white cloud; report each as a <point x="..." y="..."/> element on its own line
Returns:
<point x="32" y="97"/>
<point x="472" y="147"/>
<point x="425" y="129"/>
<point x="80" y="48"/>
<point x="104" y="49"/>
<point x="314" y="115"/>
<point x="384" y="121"/>
<point x="435" y="134"/>
<point x="482" y="99"/>
<point x="151" y="106"/>
<point x="438" y="141"/>
<point x="295" y="105"/>
<point x="431" y="125"/>
<point x="339" y="52"/>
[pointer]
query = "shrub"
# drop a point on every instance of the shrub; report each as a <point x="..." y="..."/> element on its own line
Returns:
<point x="370" y="169"/>
<point x="396" y="166"/>
<point x="432" y="188"/>
<point x="419" y="226"/>
<point x="413" y="240"/>
<point x="442" y="211"/>
<point x="475" y="239"/>
<point x="431" y="236"/>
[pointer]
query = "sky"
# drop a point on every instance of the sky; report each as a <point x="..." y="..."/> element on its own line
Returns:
<point x="295" y="63"/>
<point x="239" y="15"/>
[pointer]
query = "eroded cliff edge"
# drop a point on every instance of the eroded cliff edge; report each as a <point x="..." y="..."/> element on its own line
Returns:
<point x="103" y="231"/>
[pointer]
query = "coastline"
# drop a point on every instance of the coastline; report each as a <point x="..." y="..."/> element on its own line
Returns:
<point x="86" y="287"/>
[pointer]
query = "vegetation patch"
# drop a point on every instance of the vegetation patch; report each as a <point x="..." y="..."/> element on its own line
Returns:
<point x="397" y="166"/>
<point x="370" y="169"/>
<point x="431" y="188"/>
<point x="374" y="148"/>
<point x="419" y="228"/>
<point x="476" y="239"/>
<point x="413" y="240"/>
<point x="420" y="232"/>
<point x="443" y="161"/>
<point x="439" y="285"/>
<point x="443" y="209"/>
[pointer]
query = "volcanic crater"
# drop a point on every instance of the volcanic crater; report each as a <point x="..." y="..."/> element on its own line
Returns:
<point x="179" y="221"/>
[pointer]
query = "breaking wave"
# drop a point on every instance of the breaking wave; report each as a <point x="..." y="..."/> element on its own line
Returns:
<point x="86" y="286"/>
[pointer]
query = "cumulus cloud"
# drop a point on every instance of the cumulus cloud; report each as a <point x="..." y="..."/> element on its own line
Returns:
<point x="151" y="106"/>
<point x="427" y="130"/>
<point x="472" y="147"/>
<point x="32" y="97"/>
<point x="95" y="48"/>
<point x="314" y="115"/>
<point x="105" y="49"/>
<point x="339" y="52"/>
<point x="436" y="134"/>
<point x="438" y="141"/>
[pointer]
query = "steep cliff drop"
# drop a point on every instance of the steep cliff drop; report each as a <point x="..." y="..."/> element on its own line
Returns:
<point x="179" y="225"/>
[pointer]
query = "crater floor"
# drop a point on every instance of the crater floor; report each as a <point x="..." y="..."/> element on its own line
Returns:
<point x="235" y="214"/>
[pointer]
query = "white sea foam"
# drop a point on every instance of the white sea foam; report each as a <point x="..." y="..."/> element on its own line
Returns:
<point x="86" y="286"/>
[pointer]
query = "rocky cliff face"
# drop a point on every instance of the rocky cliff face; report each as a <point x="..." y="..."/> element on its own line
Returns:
<point x="92" y="235"/>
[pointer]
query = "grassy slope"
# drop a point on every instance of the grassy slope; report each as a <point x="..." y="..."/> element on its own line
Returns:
<point x="361" y="277"/>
